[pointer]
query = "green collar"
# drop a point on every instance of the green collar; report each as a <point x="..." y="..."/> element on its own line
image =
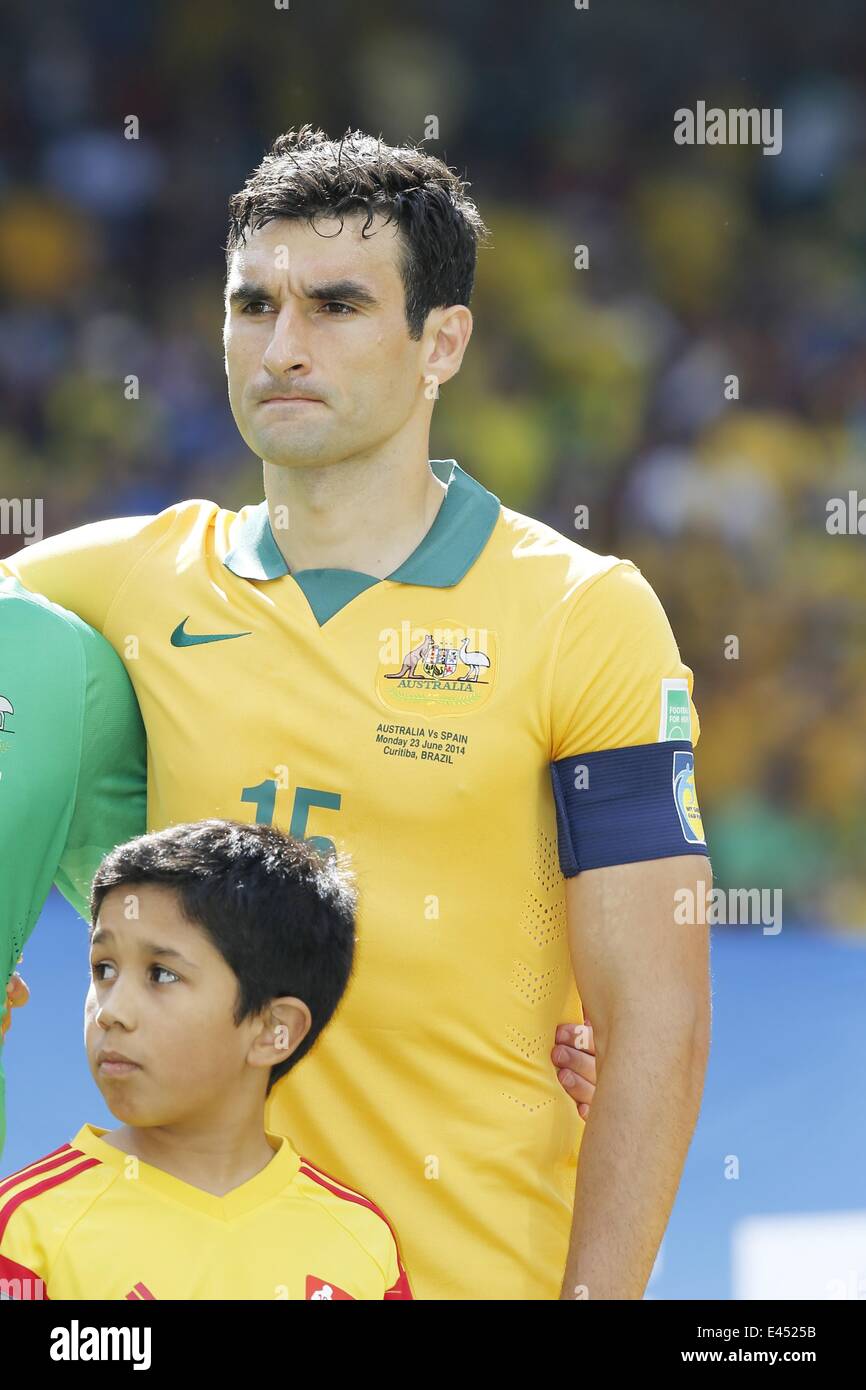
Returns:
<point x="461" y="530"/>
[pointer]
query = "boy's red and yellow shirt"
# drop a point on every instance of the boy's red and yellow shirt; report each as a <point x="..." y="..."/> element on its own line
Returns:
<point x="88" y="1221"/>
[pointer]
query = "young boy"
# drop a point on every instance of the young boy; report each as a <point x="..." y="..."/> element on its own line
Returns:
<point x="218" y="953"/>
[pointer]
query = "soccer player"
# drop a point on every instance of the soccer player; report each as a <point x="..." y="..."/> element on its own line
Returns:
<point x="494" y="721"/>
<point x="72" y="768"/>
<point x="218" y="953"/>
<point x="76" y="784"/>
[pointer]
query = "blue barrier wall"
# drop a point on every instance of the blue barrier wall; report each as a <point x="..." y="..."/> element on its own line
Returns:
<point x="783" y="1107"/>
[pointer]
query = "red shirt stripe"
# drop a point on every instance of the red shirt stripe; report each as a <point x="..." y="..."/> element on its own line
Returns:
<point x="13" y="1203"/>
<point x="401" y="1288"/>
<point x="46" y="1166"/>
<point x="10" y="1269"/>
<point x="23" y="1172"/>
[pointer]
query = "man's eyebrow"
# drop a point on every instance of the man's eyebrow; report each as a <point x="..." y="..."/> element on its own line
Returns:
<point x="148" y="948"/>
<point x="344" y="289"/>
<point x="248" y="293"/>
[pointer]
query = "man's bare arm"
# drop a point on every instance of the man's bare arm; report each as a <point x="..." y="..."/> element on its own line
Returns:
<point x="644" y="979"/>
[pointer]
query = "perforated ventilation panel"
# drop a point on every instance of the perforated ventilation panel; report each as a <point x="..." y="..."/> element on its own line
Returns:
<point x="543" y="919"/>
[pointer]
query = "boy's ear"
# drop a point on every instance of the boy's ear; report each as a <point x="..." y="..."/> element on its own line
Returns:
<point x="285" y="1023"/>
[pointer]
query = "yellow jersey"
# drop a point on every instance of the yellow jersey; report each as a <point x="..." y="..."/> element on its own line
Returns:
<point x="414" y="723"/>
<point x="89" y="1221"/>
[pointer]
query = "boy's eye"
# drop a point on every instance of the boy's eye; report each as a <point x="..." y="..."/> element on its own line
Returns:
<point x="163" y="970"/>
<point x="100" y="965"/>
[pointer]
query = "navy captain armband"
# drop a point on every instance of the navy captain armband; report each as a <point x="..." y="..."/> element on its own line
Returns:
<point x="622" y="805"/>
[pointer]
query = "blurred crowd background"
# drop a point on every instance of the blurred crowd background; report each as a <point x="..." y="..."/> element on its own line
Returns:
<point x="602" y="387"/>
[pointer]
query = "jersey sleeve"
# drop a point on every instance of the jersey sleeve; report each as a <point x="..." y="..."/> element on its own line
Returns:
<point x="111" y="795"/>
<point x="85" y="569"/>
<point x="25" y="1245"/>
<point x="73" y="765"/>
<point x="41" y="694"/>
<point x="623" y="730"/>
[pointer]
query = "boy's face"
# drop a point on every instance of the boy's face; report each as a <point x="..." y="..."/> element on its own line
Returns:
<point x="163" y="996"/>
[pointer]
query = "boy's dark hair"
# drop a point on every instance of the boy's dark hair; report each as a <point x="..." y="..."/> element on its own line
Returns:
<point x="305" y="173"/>
<point x="281" y="916"/>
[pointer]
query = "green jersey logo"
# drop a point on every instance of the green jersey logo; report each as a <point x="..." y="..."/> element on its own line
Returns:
<point x="179" y="638"/>
<point x="676" y="715"/>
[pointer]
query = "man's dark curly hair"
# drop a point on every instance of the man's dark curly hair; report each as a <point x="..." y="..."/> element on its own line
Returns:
<point x="306" y="174"/>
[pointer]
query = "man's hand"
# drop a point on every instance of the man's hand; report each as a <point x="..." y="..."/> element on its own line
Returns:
<point x="573" y="1055"/>
<point x="17" y="994"/>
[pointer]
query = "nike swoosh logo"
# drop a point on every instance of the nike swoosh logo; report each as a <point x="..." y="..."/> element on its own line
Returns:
<point x="179" y="638"/>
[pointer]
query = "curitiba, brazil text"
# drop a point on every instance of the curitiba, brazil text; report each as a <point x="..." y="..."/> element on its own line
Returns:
<point x="418" y="741"/>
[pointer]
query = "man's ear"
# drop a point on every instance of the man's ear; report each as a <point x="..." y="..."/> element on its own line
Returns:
<point x="450" y="331"/>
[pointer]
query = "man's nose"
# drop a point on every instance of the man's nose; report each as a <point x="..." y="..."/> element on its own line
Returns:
<point x="288" y="348"/>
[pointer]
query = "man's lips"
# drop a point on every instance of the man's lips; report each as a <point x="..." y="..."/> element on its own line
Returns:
<point x="290" y="400"/>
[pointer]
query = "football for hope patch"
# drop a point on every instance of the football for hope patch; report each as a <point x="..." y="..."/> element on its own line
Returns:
<point x="675" y="722"/>
<point x="676" y="715"/>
